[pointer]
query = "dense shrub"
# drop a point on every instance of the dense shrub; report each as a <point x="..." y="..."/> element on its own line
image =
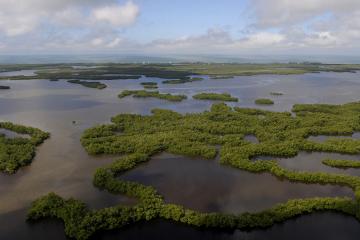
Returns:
<point x="279" y="135"/>
<point x="341" y="163"/>
<point x="215" y="96"/>
<point x="154" y="94"/>
<point x="18" y="152"/>
<point x="264" y="101"/>
<point x="88" y="84"/>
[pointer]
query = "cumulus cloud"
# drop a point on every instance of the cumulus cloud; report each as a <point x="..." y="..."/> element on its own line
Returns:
<point x="282" y="26"/>
<point x="275" y="13"/>
<point x="117" y="15"/>
<point x="311" y="24"/>
<point x="23" y="16"/>
<point x="216" y="41"/>
<point x="115" y="42"/>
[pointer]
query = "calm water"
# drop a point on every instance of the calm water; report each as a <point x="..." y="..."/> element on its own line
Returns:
<point x="11" y="134"/>
<point x="62" y="166"/>
<point x="18" y="73"/>
<point x="205" y="186"/>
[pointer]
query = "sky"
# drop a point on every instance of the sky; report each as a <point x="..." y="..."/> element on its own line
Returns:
<point x="164" y="27"/>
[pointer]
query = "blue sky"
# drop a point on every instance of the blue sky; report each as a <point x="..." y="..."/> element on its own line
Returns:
<point x="175" y="19"/>
<point x="158" y="27"/>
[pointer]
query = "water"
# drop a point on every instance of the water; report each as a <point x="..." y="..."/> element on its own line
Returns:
<point x="61" y="165"/>
<point x="311" y="162"/>
<point x="315" y="226"/>
<point x="251" y="138"/>
<point x="206" y="186"/>
<point x="11" y="134"/>
<point x="18" y="73"/>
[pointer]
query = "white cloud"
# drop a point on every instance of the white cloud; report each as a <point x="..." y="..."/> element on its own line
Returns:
<point x="306" y="26"/>
<point x="117" y="15"/>
<point x="312" y="25"/>
<point x="18" y="17"/>
<point x="275" y="13"/>
<point x="16" y="26"/>
<point x="114" y="43"/>
<point x="97" y="41"/>
<point x="264" y="39"/>
<point x="321" y="39"/>
<point x="217" y="41"/>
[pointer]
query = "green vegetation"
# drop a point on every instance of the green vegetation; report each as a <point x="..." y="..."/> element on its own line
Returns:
<point x="154" y="94"/>
<point x="341" y="163"/>
<point x="179" y="72"/>
<point x="4" y="87"/>
<point x="215" y="96"/>
<point x="264" y="101"/>
<point x="182" y="80"/>
<point x="279" y="133"/>
<point x="276" y="93"/>
<point x="97" y="85"/>
<point x="18" y="152"/>
<point x="149" y="85"/>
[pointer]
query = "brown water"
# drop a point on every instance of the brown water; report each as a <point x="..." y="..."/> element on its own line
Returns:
<point x="62" y="166"/>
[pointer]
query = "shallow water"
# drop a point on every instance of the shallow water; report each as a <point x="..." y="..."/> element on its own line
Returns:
<point x="311" y="162"/>
<point x="11" y="134"/>
<point x="206" y="186"/>
<point x="251" y="138"/>
<point x="62" y="166"/>
<point x="18" y="73"/>
<point x="323" y="138"/>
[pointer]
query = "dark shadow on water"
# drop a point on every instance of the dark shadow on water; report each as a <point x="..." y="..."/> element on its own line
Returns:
<point x="328" y="226"/>
<point x="12" y="228"/>
<point x="206" y="186"/>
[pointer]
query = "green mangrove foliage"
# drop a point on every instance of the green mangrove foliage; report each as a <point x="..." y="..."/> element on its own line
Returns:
<point x="341" y="163"/>
<point x="112" y="71"/>
<point x="276" y="93"/>
<point x="199" y="134"/>
<point x="18" y="152"/>
<point x="153" y="94"/>
<point x="88" y="84"/>
<point x="182" y="80"/>
<point x="216" y="96"/>
<point x="264" y="101"/>
<point x="149" y="85"/>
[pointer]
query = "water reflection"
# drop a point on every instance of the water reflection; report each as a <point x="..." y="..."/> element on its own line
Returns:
<point x="328" y="226"/>
<point x="206" y="186"/>
<point x="18" y="73"/>
<point x="61" y="165"/>
<point x="312" y="162"/>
